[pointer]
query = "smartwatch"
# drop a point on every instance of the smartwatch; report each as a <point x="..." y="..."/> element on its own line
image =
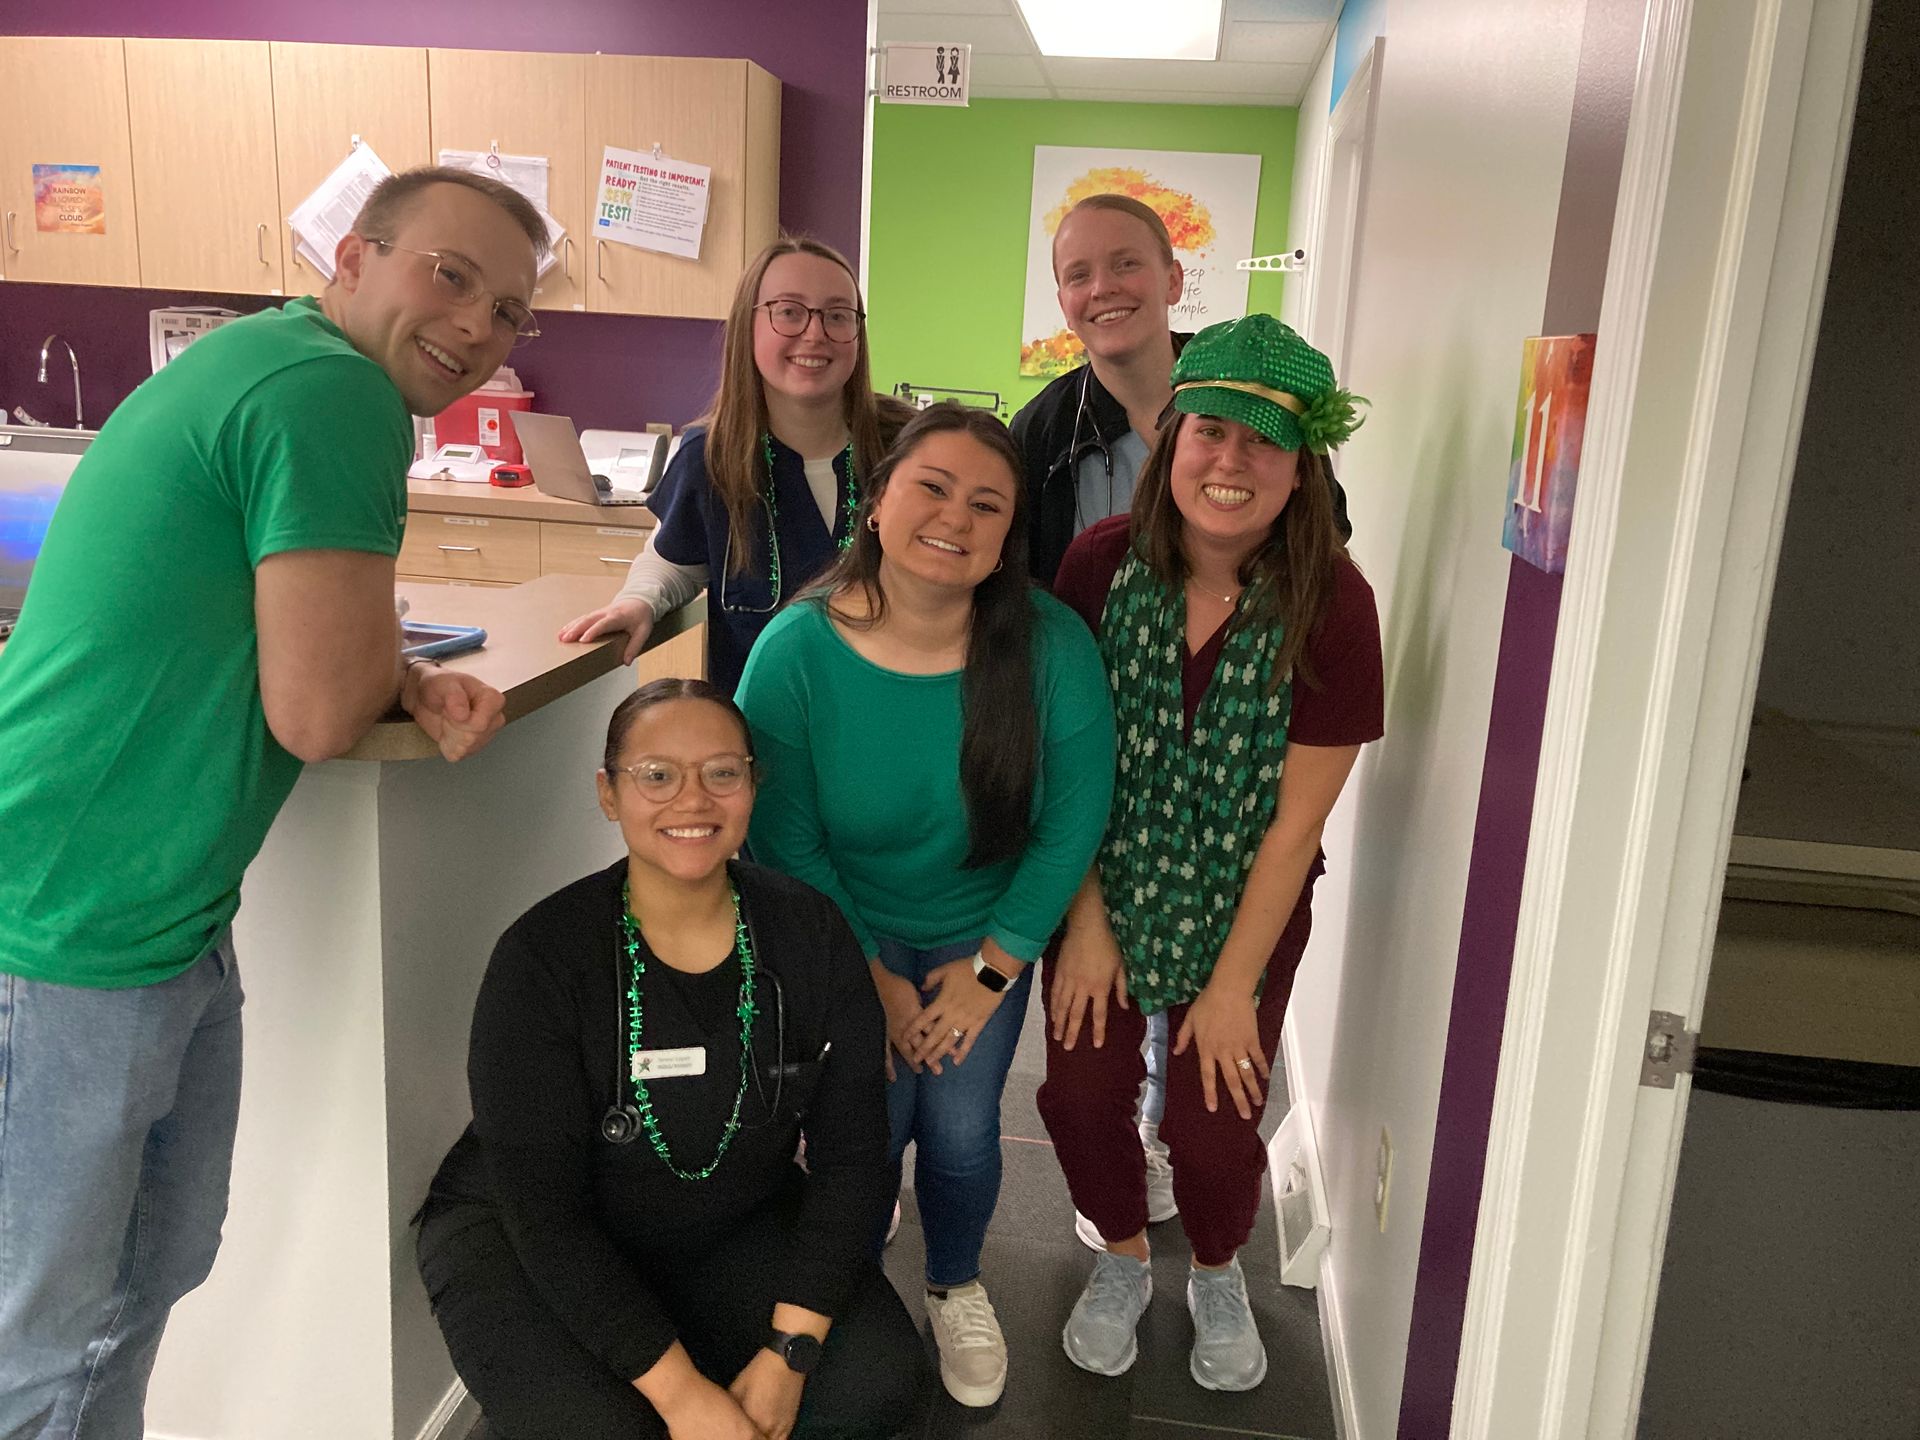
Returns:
<point x="994" y="979"/>
<point x="801" y="1352"/>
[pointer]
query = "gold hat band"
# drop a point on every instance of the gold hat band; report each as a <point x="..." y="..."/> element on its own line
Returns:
<point x="1281" y="398"/>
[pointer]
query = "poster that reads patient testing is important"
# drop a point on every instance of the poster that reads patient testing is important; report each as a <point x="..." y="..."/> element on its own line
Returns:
<point x="1208" y="204"/>
<point x="652" y="201"/>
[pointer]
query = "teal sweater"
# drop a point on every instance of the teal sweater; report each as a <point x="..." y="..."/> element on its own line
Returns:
<point x="860" y="789"/>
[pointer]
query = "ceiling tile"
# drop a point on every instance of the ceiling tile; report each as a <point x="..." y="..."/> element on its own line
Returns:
<point x="1021" y="70"/>
<point x="1274" y="44"/>
<point x="988" y="34"/>
<point x="1325" y="11"/>
<point x="1242" y="78"/>
<point x="944" y="7"/>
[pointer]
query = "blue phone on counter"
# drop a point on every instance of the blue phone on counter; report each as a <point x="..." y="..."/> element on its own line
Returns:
<point x="426" y="641"/>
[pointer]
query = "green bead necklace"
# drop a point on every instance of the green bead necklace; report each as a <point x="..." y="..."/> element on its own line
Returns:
<point x="844" y="533"/>
<point x="746" y="1010"/>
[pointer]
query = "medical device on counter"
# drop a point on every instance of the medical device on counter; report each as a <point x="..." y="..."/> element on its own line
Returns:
<point x="469" y="464"/>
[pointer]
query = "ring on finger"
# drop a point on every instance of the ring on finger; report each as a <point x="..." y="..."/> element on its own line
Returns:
<point x="957" y="1033"/>
<point x="1244" y="1063"/>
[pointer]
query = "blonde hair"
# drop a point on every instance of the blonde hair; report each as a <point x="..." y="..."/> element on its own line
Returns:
<point x="1122" y="205"/>
<point x="735" y="456"/>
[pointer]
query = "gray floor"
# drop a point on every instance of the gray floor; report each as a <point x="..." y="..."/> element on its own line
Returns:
<point x="1034" y="1269"/>
<point x="1788" y="1301"/>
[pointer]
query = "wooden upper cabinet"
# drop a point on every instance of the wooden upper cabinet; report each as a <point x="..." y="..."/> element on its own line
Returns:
<point x="323" y="96"/>
<point x="64" y="103"/>
<point x="724" y="114"/>
<point x="201" y="113"/>
<point x="524" y="105"/>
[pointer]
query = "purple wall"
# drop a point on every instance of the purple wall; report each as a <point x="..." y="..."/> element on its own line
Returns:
<point x="601" y="369"/>
<point x="1603" y="93"/>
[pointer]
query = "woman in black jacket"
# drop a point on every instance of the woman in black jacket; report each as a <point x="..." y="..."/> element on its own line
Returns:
<point x="622" y="1243"/>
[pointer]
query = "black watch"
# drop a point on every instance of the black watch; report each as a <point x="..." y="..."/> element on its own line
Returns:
<point x="990" y="976"/>
<point x="801" y="1352"/>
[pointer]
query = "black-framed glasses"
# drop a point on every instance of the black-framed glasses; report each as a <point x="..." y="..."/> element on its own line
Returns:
<point x="660" y="780"/>
<point x="840" y="323"/>
<point x="458" y="281"/>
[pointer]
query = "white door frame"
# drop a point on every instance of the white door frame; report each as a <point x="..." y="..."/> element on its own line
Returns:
<point x="1333" y="257"/>
<point x="1736" y="149"/>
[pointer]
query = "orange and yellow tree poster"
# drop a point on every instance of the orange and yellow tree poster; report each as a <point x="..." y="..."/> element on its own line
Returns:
<point x="1207" y="201"/>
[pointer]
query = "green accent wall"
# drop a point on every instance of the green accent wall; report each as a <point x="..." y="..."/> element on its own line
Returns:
<point x="952" y="192"/>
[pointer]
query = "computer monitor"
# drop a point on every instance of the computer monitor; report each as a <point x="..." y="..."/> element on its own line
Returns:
<point x="34" y="466"/>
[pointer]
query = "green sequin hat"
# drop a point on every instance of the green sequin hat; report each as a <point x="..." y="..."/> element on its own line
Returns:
<point x="1261" y="373"/>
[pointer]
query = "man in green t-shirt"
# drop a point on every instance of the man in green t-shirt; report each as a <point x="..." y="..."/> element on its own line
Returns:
<point x="213" y="607"/>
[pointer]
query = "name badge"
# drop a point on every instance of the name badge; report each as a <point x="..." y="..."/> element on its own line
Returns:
<point x="667" y="1064"/>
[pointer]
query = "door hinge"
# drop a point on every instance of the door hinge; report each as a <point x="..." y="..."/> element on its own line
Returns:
<point x="1669" y="1052"/>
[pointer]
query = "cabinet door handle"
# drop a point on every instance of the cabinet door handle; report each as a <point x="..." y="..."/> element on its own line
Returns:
<point x="599" y="260"/>
<point x="616" y="559"/>
<point x="260" y="242"/>
<point x="15" y="249"/>
<point x="463" y="549"/>
<point x="566" y="258"/>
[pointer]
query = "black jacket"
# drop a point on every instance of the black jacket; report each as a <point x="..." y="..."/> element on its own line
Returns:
<point x="599" y="1228"/>
<point x="1070" y="419"/>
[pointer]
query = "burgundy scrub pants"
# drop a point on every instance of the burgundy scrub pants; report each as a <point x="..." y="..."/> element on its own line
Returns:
<point x="1088" y="1103"/>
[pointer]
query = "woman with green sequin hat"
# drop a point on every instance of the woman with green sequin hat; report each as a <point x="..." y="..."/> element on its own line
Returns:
<point x="622" y="1244"/>
<point x="1243" y="650"/>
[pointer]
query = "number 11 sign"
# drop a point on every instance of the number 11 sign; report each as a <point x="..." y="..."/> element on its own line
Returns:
<point x="1555" y="374"/>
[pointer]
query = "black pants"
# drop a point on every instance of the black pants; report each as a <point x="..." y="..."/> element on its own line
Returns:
<point x="534" y="1381"/>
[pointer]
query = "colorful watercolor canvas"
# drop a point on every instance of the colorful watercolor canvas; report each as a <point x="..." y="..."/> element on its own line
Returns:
<point x="1207" y="201"/>
<point x="1556" y="372"/>
<point x="69" y="200"/>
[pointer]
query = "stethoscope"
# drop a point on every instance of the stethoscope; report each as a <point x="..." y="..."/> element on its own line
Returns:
<point x="1075" y="454"/>
<point x="622" y="1122"/>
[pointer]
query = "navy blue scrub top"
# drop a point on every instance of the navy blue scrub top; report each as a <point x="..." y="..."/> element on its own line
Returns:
<point x="693" y="531"/>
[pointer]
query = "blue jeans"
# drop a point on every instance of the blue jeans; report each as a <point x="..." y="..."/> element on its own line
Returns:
<point x="117" y="1116"/>
<point x="953" y="1119"/>
<point x="1153" y="1103"/>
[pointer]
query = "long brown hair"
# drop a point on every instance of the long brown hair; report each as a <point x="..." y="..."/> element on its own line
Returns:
<point x="736" y="462"/>
<point x="1296" y="560"/>
<point x="1000" y="738"/>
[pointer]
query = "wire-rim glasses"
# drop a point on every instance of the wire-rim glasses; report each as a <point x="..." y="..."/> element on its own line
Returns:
<point x="457" y="280"/>
<point x="660" y="780"/>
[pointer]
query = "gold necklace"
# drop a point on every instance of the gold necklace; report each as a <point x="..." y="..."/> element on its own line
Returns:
<point x="1214" y="594"/>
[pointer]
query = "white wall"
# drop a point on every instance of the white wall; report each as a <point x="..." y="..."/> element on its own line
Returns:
<point x="1309" y="165"/>
<point x="1475" y="99"/>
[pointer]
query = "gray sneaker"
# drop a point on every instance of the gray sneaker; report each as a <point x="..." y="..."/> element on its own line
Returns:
<point x="1099" y="1334"/>
<point x="1227" y="1353"/>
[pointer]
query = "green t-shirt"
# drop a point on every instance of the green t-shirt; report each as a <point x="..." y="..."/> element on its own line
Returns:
<point x="860" y="792"/>
<point x="137" y="773"/>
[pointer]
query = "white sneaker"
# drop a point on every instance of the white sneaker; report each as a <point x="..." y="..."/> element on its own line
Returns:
<point x="1160" y="1202"/>
<point x="973" y="1352"/>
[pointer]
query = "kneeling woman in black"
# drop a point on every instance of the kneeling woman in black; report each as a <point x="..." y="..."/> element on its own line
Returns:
<point x="622" y="1244"/>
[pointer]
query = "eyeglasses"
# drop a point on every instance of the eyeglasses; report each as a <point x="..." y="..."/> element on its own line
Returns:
<point x="457" y="280"/>
<point x="841" y="323"/>
<point x="660" y="780"/>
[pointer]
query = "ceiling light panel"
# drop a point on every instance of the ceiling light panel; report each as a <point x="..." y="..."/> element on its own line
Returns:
<point x="1125" y="29"/>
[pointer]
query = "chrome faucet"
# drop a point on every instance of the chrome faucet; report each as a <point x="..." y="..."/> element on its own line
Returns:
<point x="73" y="360"/>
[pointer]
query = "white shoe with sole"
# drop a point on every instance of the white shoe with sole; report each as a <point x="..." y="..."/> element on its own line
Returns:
<point x="973" y="1352"/>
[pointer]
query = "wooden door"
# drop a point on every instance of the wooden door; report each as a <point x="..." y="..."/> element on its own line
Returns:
<point x="325" y="95"/>
<point x="708" y="112"/>
<point x="201" y="113"/>
<point x="524" y="105"/>
<point x="64" y="102"/>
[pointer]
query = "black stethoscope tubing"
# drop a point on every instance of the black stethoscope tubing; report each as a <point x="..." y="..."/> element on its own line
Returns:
<point x="621" y="1122"/>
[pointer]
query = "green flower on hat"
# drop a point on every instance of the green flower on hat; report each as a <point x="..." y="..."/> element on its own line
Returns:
<point x="1261" y="373"/>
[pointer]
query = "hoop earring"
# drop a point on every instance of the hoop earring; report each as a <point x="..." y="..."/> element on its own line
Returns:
<point x="873" y="523"/>
<point x="996" y="567"/>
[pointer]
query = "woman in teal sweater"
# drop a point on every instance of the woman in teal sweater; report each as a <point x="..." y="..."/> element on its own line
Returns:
<point x="937" y="741"/>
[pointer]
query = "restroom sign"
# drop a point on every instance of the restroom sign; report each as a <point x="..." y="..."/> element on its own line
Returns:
<point x="926" y="73"/>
